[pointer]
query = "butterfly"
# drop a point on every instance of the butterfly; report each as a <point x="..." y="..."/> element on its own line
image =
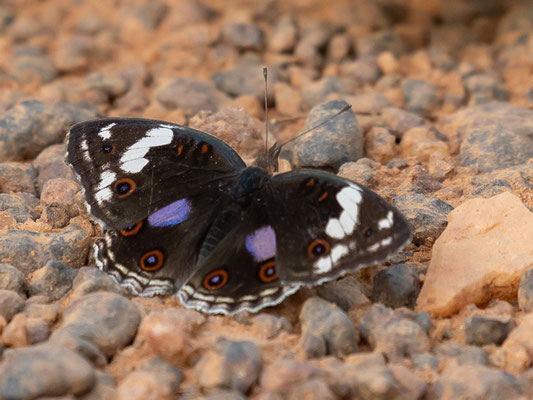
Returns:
<point x="182" y="213"/>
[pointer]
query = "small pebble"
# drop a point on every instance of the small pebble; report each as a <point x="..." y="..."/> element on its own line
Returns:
<point x="22" y="206"/>
<point x="419" y="96"/>
<point x="231" y="364"/>
<point x="283" y="37"/>
<point x="243" y="36"/>
<point x="282" y="375"/>
<point x="462" y="353"/>
<point x="380" y="144"/>
<point x="346" y="293"/>
<point x="12" y="279"/>
<point x="17" y="177"/>
<point x="65" y="372"/>
<point x="525" y="291"/>
<point x="315" y="389"/>
<point x="90" y="279"/>
<point x="322" y="319"/>
<point x="400" y="121"/>
<point x="422" y="142"/>
<point x="363" y="71"/>
<point x="270" y="326"/>
<point x="481" y="330"/>
<point x="317" y="92"/>
<point x="53" y="280"/>
<point x="10" y="304"/>
<point x="396" y="286"/>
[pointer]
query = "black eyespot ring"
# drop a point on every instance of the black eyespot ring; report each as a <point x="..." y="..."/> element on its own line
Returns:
<point x="131" y="230"/>
<point x="124" y="187"/>
<point x="108" y="148"/>
<point x="267" y="272"/>
<point x="152" y="260"/>
<point x="318" y="248"/>
<point x="216" y="279"/>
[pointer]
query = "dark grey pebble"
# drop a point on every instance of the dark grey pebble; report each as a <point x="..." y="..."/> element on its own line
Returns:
<point x="33" y="68"/>
<point x="247" y="79"/>
<point x="50" y="164"/>
<point x="308" y="55"/>
<point x="481" y="330"/>
<point x="346" y="293"/>
<point x="105" y="319"/>
<point x="487" y="186"/>
<point x="191" y="95"/>
<point x="104" y="388"/>
<point x="231" y="365"/>
<point x="113" y="85"/>
<point x="495" y="147"/>
<point x="53" y="280"/>
<point x="90" y="280"/>
<point x="399" y="121"/>
<point x="17" y="177"/>
<point x="363" y="71"/>
<point x="474" y="382"/>
<point x="419" y="96"/>
<point x="166" y="374"/>
<point x="399" y="163"/>
<point x="425" y="361"/>
<point x="427" y="215"/>
<point x="396" y="286"/>
<point x="30" y="126"/>
<point x="336" y="142"/>
<point x="484" y="88"/>
<point x="29" y="250"/>
<point x="464" y="354"/>
<point x="380" y="41"/>
<point x="525" y="291"/>
<point x="12" y="279"/>
<point x="244" y="36"/>
<point x="45" y="370"/>
<point x="10" y="304"/>
<point x="314" y="346"/>
<point x="22" y="206"/>
<point x="317" y="92"/>
<point x="323" y="319"/>
<point x="392" y="333"/>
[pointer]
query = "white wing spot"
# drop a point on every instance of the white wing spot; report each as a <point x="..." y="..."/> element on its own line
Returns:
<point x="103" y="192"/>
<point x="334" y="229"/>
<point x="105" y="132"/>
<point x="386" y="223"/>
<point x="133" y="160"/>
<point x="349" y="199"/>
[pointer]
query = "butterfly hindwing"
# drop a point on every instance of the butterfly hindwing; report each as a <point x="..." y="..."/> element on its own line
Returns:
<point x="330" y="226"/>
<point x="132" y="167"/>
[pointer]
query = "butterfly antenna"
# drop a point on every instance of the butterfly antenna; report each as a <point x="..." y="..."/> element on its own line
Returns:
<point x="265" y="75"/>
<point x="343" y="109"/>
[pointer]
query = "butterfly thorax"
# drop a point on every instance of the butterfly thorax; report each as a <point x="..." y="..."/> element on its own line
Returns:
<point x="249" y="181"/>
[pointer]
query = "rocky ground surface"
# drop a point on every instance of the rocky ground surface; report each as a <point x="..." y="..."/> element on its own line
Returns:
<point x="441" y="125"/>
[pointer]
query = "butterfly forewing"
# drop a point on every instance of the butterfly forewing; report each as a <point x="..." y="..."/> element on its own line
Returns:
<point x="330" y="226"/>
<point x="130" y="168"/>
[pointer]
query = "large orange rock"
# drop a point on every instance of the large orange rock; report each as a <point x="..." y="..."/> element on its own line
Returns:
<point x="480" y="256"/>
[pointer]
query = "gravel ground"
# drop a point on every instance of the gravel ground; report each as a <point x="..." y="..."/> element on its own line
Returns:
<point x="441" y="126"/>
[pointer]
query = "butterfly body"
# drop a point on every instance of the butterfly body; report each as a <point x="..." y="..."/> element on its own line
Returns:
<point x="181" y="212"/>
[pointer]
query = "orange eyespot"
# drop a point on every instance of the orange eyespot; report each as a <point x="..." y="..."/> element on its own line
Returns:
<point x="124" y="187"/>
<point x="267" y="272"/>
<point x="216" y="279"/>
<point x="205" y="148"/>
<point x="318" y="248"/>
<point x="131" y="230"/>
<point x="152" y="260"/>
<point x="108" y="148"/>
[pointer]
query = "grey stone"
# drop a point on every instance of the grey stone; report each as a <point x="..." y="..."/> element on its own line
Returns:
<point x="53" y="280"/>
<point x="10" y="304"/>
<point x="525" y="291"/>
<point x="314" y="346"/>
<point x="399" y="121"/>
<point x="90" y="280"/>
<point x="464" y="354"/>
<point x="380" y="41"/>
<point x="419" y="96"/>
<point x="427" y="215"/>
<point x="22" y="206"/>
<point x="363" y="71"/>
<point x="33" y="68"/>
<point x="425" y="361"/>
<point x="231" y="364"/>
<point x="12" y="279"/>
<point x="166" y="373"/>
<point x="107" y="320"/>
<point x="113" y="85"/>
<point x="315" y="93"/>
<point x="45" y="370"/>
<point x="346" y="293"/>
<point x="484" y="88"/>
<point x="17" y="177"/>
<point x="271" y="325"/>
<point x="315" y="389"/>
<point x="396" y="286"/>
<point x="320" y="318"/>
<point x="481" y="330"/>
<point x="244" y="36"/>
<point x="332" y="144"/>
<point x="191" y="95"/>
<point x="149" y="13"/>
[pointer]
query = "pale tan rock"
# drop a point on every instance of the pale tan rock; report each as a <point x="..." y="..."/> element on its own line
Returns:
<point x="480" y="256"/>
<point x="518" y="347"/>
<point x="143" y="385"/>
<point x="421" y="142"/>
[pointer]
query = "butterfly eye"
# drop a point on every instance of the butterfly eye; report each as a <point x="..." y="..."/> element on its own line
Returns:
<point x="124" y="187"/>
<point x="268" y="272"/>
<point x="108" y="148"/>
<point x="318" y="248"/>
<point x="152" y="260"/>
<point x="216" y="279"/>
<point x="131" y="230"/>
<point x="368" y="232"/>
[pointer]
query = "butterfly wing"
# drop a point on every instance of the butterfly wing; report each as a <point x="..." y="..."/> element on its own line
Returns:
<point x="240" y="272"/>
<point x="329" y="226"/>
<point x="130" y="168"/>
